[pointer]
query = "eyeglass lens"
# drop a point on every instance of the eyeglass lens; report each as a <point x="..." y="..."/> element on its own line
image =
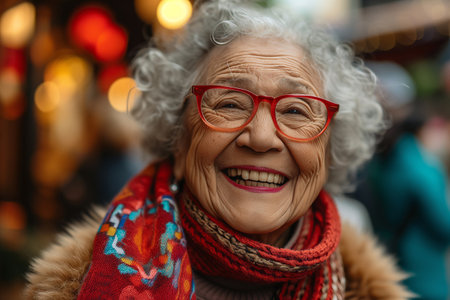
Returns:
<point x="297" y="117"/>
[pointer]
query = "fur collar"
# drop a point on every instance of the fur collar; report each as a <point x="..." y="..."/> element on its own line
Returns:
<point x="58" y="273"/>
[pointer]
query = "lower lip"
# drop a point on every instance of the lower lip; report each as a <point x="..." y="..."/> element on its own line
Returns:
<point x="255" y="189"/>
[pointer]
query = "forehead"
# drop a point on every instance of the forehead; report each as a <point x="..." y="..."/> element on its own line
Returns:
<point x="247" y="60"/>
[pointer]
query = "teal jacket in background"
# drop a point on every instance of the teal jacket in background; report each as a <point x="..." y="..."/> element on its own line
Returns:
<point x="412" y="215"/>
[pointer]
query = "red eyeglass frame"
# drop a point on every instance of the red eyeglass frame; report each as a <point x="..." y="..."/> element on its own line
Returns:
<point x="199" y="90"/>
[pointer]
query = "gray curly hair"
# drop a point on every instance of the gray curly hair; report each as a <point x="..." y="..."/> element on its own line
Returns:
<point x="165" y="77"/>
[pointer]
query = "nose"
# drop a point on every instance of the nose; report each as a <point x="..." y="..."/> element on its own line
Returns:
<point x="260" y="134"/>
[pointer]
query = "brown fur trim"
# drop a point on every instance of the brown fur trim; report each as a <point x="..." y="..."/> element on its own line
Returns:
<point x="369" y="271"/>
<point x="59" y="272"/>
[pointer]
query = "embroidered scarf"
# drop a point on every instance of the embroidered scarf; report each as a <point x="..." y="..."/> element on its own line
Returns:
<point x="149" y="243"/>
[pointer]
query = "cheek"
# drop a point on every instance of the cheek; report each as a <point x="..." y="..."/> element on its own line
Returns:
<point x="199" y="165"/>
<point x="195" y="150"/>
<point x="204" y="147"/>
<point x="312" y="158"/>
<point x="312" y="162"/>
<point x="205" y="144"/>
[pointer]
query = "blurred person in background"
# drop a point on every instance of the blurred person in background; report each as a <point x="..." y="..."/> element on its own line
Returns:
<point x="409" y="208"/>
<point x="240" y="203"/>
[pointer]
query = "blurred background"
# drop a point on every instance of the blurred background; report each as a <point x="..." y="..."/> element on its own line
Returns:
<point x="67" y="141"/>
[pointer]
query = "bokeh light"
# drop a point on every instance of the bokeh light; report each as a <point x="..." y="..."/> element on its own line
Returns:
<point x="69" y="72"/>
<point x="17" y="25"/>
<point x="14" y="58"/>
<point x="87" y="25"/>
<point x="146" y="10"/>
<point x="109" y="74"/>
<point x="173" y="14"/>
<point x="122" y="94"/>
<point x="12" y="216"/>
<point x="47" y="96"/>
<point x="111" y="44"/>
<point x="93" y="29"/>
<point x="10" y="84"/>
<point x="42" y="48"/>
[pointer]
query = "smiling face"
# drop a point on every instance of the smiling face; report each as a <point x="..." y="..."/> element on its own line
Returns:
<point x="255" y="180"/>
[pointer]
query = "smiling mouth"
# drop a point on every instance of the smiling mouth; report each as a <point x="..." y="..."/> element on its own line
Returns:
<point x="255" y="178"/>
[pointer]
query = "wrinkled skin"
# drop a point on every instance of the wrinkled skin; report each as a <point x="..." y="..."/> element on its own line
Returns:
<point x="265" y="67"/>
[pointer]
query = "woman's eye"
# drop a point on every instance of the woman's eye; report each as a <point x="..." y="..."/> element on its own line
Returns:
<point x="227" y="105"/>
<point x="293" y="111"/>
<point x="231" y="102"/>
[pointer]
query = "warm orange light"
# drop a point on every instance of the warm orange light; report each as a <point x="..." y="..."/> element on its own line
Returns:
<point x="17" y="25"/>
<point x="111" y="44"/>
<point x="10" y="84"/>
<point x="173" y="14"/>
<point x="69" y="72"/>
<point x="146" y="9"/>
<point x="122" y="94"/>
<point x="42" y="48"/>
<point x="12" y="216"/>
<point x="47" y="96"/>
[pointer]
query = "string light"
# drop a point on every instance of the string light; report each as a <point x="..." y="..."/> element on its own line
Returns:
<point x="47" y="96"/>
<point x="122" y="94"/>
<point x="93" y="29"/>
<point x="173" y="14"/>
<point x="111" y="44"/>
<point x="87" y="24"/>
<point x="69" y="73"/>
<point x="17" y="25"/>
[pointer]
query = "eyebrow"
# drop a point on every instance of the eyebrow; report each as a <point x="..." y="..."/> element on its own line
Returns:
<point x="236" y="81"/>
<point x="285" y="84"/>
<point x="291" y="85"/>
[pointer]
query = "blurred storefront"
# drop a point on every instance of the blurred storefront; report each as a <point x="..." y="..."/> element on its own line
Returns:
<point x="66" y="139"/>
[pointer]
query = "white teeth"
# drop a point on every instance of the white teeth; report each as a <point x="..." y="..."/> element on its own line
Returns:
<point x="263" y="176"/>
<point x="255" y="178"/>
<point x="276" y="178"/>
<point x="254" y="175"/>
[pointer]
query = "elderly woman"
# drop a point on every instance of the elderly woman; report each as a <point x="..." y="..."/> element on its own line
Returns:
<point x="258" y="122"/>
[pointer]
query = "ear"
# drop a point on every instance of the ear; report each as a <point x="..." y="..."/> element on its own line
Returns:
<point x="179" y="155"/>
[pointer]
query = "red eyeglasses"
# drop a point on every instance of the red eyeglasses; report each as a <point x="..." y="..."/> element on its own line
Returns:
<point x="298" y="117"/>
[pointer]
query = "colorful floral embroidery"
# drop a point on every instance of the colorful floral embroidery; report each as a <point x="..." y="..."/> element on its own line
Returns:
<point x="144" y="242"/>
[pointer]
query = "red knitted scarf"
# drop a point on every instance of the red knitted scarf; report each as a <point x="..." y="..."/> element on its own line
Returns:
<point x="143" y="250"/>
